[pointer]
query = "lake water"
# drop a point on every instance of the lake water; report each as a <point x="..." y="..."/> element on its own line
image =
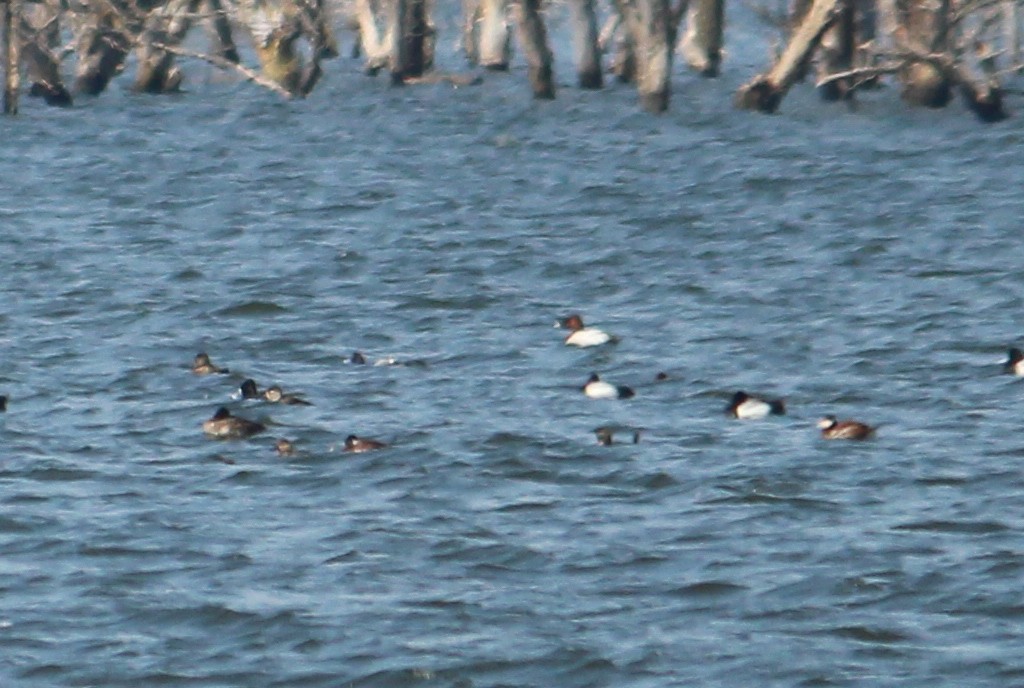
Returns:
<point x="859" y="262"/>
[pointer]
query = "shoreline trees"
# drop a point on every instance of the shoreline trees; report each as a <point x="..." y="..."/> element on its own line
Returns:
<point x="932" y="48"/>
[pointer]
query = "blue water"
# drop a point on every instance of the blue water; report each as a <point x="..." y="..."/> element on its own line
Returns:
<point x="862" y="262"/>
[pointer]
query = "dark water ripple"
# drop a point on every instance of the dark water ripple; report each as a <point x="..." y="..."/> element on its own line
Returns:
<point x="854" y="262"/>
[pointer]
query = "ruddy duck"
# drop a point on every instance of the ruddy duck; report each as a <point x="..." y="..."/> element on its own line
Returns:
<point x="606" y="436"/>
<point x="284" y="447"/>
<point x="596" y="388"/>
<point x="362" y="444"/>
<point x="582" y="336"/>
<point x="225" y="426"/>
<point x="1015" y="362"/>
<point x="745" y="406"/>
<point x="202" y="365"/>
<point x="275" y="396"/>
<point x="832" y="429"/>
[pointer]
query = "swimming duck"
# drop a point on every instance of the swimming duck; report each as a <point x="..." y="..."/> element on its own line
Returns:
<point x="362" y="444"/>
<point x="596" y="388"/>
<point x="1015" y="362"/>
<point x="202" y="365"/>
<point x="832" y="429"/>
<point x="225" y="426"/>
<point x="606" y="436"/>
<point x="284" y="447"/>
<point x="248" y="390"/>
<point x="582" y="336"/>
<point x="275" y="396"/>
<point x="3" y="403"/>
<point x="745" y="406"/>
<point x="357" y="358"/>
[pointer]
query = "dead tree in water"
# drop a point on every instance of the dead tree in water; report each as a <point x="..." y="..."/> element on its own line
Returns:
<point x="40" y="31"/>
<point x="11" y="47"/>
<point x="836" y="55"/>
<point x="701" y="44"/>
<point x="412" y="46"/>
<point x="486" y="34"/>
<point x="650" y="25"/>
<point x="765" y="92"/>
<point x="534" y="39"/>
<point x="585" y="44"/>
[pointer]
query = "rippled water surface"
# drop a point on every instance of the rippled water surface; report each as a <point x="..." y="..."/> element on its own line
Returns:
<point x="859" y="262"/>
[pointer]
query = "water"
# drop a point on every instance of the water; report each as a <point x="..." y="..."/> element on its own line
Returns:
<point x="861" y="263"/>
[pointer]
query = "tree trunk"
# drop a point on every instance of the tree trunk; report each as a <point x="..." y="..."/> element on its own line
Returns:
<point x="495" y="38"/>
<point x="836" y="55"/>
<point x="101" y="47"/>
<point x="412" y="52"/>
<point x="701" y="45"/>
<point x="926" y="30"/>
<point x="165" y="25"/>
<point x="649" y="22"/>
<point x="12" y="57"/>
<point x="766" y="92"/>
<point x="376" y="46"/>
<point x="1011" y="32"/>
<point x="623" y="64"/>
<point x="533" y="37"/>
<point x="220" y="26"/>
<point x="41" y="38"/>
<point x="588" y="57"/>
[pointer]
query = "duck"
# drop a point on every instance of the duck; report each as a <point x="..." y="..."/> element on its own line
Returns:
<point x="248" y="390"/>
<point x="362" y="444"/>
<point x="225" y="426"/>
<point x="275" y="396"/>
<point x="3" y="403"/>
<point x="284" y="447"/>
<point x="202" y="365"/>
<point x="744" y="406"/>
<point x="606" y="436"/>
<point x="357" y="358"/>
<point x="1015" y="362"/>
<point x="596" y="388"/>
<point x="832" y="429"/>
<point x="581" y="335"/>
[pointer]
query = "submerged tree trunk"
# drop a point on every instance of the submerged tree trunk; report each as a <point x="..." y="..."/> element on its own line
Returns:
<point x="40" y="30"/>
<point x="494" y="36"/>
<point x="534" y="39"/>
<point x="12" y="57"/>
<point x="649" y="22"/>
<point x="585" y="43"/>
<point x="927" y="31"/>
<point x="165" y="26"/>
<point x="377" y="46"/>
<point x="837" y="46"/>
<point x="701" y="44"/>
<point x="220" y="28"/>
<point x="101" y="47"/>
<point x="766" y="92"/>
<point x="412" y="53"/>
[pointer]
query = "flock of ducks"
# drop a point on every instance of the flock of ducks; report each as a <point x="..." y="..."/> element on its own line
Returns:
<point x="742" y="405"/>
<point x="225" y="426"/>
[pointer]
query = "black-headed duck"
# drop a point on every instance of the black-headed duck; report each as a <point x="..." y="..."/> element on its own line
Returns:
<point x="202" y="365"/>
<point x="225" y="426"/>
<point x="581" y="335"/>
<point x="362" y="444"/>
<point x="248" y="390"/>
<point x="744" y="406"/>
<point x="832" y="429"/>
<point x="1015" y="362"/>
<point x="596" y="388"/>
